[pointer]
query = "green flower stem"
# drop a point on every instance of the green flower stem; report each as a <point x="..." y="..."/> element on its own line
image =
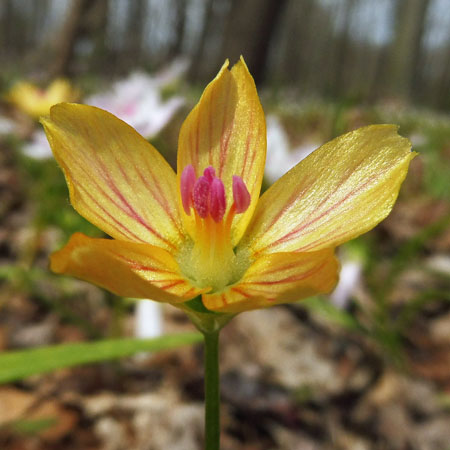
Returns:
<point x="212" y="390"/>
<point x="209" y="324"/>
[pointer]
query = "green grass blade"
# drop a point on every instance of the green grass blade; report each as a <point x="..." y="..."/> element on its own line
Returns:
<point x="23" y="363"/>
<point x="326" y="309"/>
<point x="32" y="427"/>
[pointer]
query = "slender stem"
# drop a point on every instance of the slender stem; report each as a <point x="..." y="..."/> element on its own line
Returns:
<point x="212" y="391"/>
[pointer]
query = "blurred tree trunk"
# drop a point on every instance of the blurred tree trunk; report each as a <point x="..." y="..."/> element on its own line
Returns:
<point x="176" y="47"/>
<point x="4" y="30"/>
<point x="135" y="28"/>
<point x="405" y="50"/>
<point x="67" y="38"/>
<point x="7" y="26"/>
<point x="12" y="30"/>
<point x="443" y="86"/>
<point x="292" y="52"/>
<point x="86" y="18"/>
<point x="438" y="85"/>
<point x="249" y="30"/>
<point x="40" y="12"/>
<point x="195" y="70"/>
<point x="341" y="55"/>
<point x="96" y="28"/>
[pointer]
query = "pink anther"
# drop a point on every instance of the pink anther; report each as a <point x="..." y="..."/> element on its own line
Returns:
<point x="187" y="183"/>
<point x="209" y="173"/>
<point x="241" y="195"/>
<point x="218" y="203"/>
<point x="202" y="190"/>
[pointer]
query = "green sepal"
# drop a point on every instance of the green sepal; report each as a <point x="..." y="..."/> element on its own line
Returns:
<point x="196" y="305"/>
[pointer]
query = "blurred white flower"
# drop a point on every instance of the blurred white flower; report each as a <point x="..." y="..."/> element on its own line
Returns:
<point x="280" y="157"/>
<point x="417" y="139"/>
<point x="172" y="72"/>
<point x="148" y="319"/>
<point x="37" y="147"/>
<point x="349" y="280"/>
<point x="148" y="323"/>
<point x="138" y="100"/>
<point x="6" y="126"/>
<point x="439" y="263"/>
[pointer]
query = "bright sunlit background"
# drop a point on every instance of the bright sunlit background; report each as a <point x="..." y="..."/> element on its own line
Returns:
<point x="367" y="367"/>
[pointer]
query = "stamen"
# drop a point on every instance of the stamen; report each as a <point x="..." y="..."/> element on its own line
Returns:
<point x="201" y="196"/>
<point x="211" y="260"/>
<point x="218" y="202"/>
<point x="241" y="195"/>
<point x="187" y="183"/>
<point x="209" y="173"/>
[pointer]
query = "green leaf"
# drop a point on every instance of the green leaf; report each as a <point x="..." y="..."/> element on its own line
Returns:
<point x="33" y="426"/>
<point x="23" y="363"/>
<point x="336" y="315"/>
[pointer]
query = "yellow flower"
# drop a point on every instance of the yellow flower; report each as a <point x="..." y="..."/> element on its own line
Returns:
<point x="37" y="102"/>
<point x="205" y="231"/>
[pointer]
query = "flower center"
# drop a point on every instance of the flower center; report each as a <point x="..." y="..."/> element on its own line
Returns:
<point x="211" y="260"/>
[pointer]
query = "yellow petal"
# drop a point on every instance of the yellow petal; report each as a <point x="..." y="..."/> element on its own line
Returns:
<point x="37" y="102"/>
<point x="227" y="130"/>
<point x="116" y="179"/>
<point x="60" y="90"/>
<point x="128" y="269"/>
<point x="340" y="191"/>
<point x="29" y="99"/>
<point x="278" y="278"/>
